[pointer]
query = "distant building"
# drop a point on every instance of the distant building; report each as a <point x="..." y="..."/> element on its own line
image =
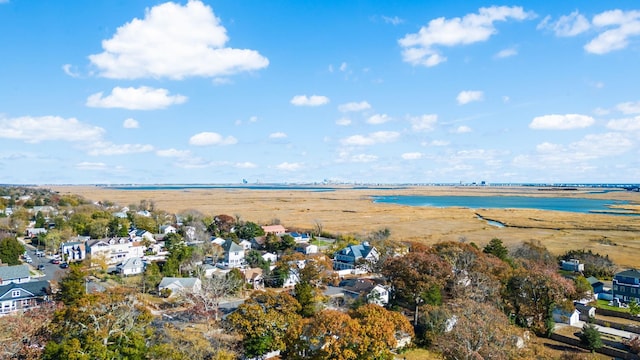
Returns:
<point x="16" y="274"/>
<point x="572" y="265"/>
<point x="626" y="286"/>
<point x="274" y="229"/>
<point x="354" y="256"/>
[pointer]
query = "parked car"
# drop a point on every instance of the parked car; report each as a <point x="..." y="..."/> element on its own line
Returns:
<point x="55" y="261"/>
<point x="64" y="265"/>
<point x="41" y="267"/>
<point x="28" y="259"/>
<point x="39" y="253"/>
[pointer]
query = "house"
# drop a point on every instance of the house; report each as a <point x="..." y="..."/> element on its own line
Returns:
<point x="270" y="257"/>
<point x="586" y="311"/>
<point x="120" y="214"/>
<point x="23" y="296"/>
<point x="572" y="265"/>
<point x="180" y="285"/>
<point x="306" y="248"/>
<point x="596" y="284"/>
<point x="168" y="229"/>
<point x="274" y="229"/>
<point x="218" y="241"/>
<point x="626" y="286"/>
<point x="355" y="256"/>
<point x="300" y="237"/>
<point x="258" y="242"/>
<point x="141" y="235"/>
<point x="16" y="274"/>
<point x="34" y="232"/>
<point x="253" y="277"/>
<point x="292" y="278"/>
<point x="131" y="266"/>
<point x="233" y="254"/>
<point x="562" y="316"/>
<point x="246" y="244"/>
<point x="73" y="251"/>
<point x="367" y="289"/>
<point x="113" y="251"/>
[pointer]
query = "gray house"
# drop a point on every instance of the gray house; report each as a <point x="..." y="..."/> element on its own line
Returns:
<point x="352" y="256"/>
<point x="626" y="286"/>
<point x="22" y="296"/>
<point x="17" y="274"/>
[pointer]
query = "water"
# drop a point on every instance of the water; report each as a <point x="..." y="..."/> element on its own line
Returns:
<point x="577" y="205"/>
<point x="314" y="188"/>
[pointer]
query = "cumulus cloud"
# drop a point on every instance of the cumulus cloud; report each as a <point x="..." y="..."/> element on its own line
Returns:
<point x="619" y="26"/>
<point x="505" y="53"/>
<point x="465" y="97"/>
<point x="313" y="100"/>
<point x="412" y="156"/>
<point x="130" y="124"/>
<point x="343" y="121"/>
<point x="561" y="122"/>
<point x="371" y="139"/>
<point x="142" y="98"/>
<point x="421" y="48"/>
<point x="211" y="138"/>
<point x="567" y="25"/>
<point x="85" y="165"/>
<point x="45" y="128"/>
<point x="286" y="166"/>
<point x="173" y="153"/>
<point x="277" y="135"/>
<point x="354" y="106"/>
<point x="423" y="123"/>
<point x="378" y="119"/>
<point x="629" y="107"/>
<point x="173" y="41"/>
<point x="462" y="129"/>
<point x="109" y="149"/>
<point x="625" y="125"/>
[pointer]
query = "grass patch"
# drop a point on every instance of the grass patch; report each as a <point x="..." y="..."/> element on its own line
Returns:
<point x="604" y="304"/>
<point x="419" y="354"/>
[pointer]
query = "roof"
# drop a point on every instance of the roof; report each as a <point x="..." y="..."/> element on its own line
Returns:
<point x="230" y="246"/>
<point x="14" y="272"/>
<point x="274" y="229"/>
<point x="131" y="263"/>
<point x="252" y="273"/>
<point x="33" y="288"/>
<point x="181" y="282"/>
<point x="633" y="273"/>
<point x="358" y="285"/>
<point x="356" y="251"/>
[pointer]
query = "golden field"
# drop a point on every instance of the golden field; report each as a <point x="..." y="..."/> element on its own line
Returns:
<point x="352" y="211"/>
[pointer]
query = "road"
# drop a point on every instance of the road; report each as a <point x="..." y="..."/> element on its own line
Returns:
<point x="50" y="272"/>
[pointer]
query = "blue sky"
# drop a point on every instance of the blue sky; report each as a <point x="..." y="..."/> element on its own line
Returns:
<point x="121" y="92"/>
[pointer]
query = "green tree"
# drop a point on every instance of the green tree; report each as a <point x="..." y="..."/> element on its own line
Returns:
<point x="590" y="337"/>
<point x="151" y="277"/>
<point x="249" y="230"/>
<point x="72" y="286"/>
<point x="305" y="295"/>
<point x="634" y="307"/>
<point x="10" y="251"/>
<point x="40" y="220"/>
<point x="497" y="249"/>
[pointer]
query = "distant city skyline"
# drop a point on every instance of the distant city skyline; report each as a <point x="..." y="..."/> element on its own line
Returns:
<point x="214" y="92"/>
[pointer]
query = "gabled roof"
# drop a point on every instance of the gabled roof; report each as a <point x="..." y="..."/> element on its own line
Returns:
<point x="633" y="273"/>
<point x="185" y="283"/>
<point x="230" y="246"/>
<point x="356" y="251"/>
<point x="131" y="263"/>
<point x="14" y="272"/>
<point x="27" y="290"/>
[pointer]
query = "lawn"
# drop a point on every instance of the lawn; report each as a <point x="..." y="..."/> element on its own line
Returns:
<point x="604" y="304"/>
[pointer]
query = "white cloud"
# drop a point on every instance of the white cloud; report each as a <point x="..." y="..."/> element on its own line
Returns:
<point x="108" y="148"/>
<point x="363" y="158"/>
<point x="313" y="100"/>
<point x="378" y="119"/>
<point x="343" y="122"/>
<point x="44" y="128"/>
<point x="439" y="143"/>
<point x="354" y="106"/>
<point x="561" y="122"/>
<point x="625" y="125"/>
<point x="173" y="153"/>
<point x="211" y="138"/>
<point x="245" y="165"/>
<point x="547" y="147"/>
<point x="629" y="107"/>
<point x="620" y="25"/>
<point x="421" y="48"/>
<point x="142" y="98"/>
<point x="173" y="41"/>
<point x="343" y="67"/>
<point x="505" y="53"/>
<point x="130" y="124"/>
<point x="68" y="69"/>
<point x="465" y="97"/>
<point x="277" y="135"/>
<point x="85" y="165"/>
<point x="286" y="166"/>
<point x="601" y="111"/>
<point x="392" y="20"/>
<point x="372" y="139"/>
<point x="567" y="25"/>
<point x="462" y="129"/>
<point x="425" y="122"/>
<point x="412" y="156"/>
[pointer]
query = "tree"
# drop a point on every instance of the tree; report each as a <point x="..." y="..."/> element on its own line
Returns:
<point x="151" y="277"/>
<point x="497" y="249"/>
<point x="206" y="302"/>
<point x="72" y="286"/>
<point x="40" y="220"/>
<point x="381" y="329"/>
<point x="249" y="230"/>
<point x="10" y="251"/>
<point x="305" y="295"/>
<point x="634" y="307"/>
<point x="590" y="337"/>
<point x="262" y="321"/>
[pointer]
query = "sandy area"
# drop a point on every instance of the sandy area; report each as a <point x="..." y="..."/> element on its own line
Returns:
<point x="351" y="211"/>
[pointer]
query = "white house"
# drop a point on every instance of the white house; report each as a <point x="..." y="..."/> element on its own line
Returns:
<point x="218" y="241"/>
<point x="24" y="296"/>
<point x="306" y="248"/>
<point x="113" y="251"/>
<point x="566" y="317"/>
<point x="300" y="237"/>
<point x="270" y="257"/>
<point x="131" y="266"/>
<point x="233" y="254"/>
<point x="73" y="251"/>
<point x="168" y="229"/>
<point x="368" y="289"/>
<point x="180" y="285"/>
<point x="141" y="235"/>
<point x="34" y="232"/>
<point x="15" y="274"/>
<point x="246" y="244"/>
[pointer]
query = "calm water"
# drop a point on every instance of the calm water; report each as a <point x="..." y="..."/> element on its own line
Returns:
<point x="504" y="202"/>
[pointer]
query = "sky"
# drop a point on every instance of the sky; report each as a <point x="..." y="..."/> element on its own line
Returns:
<point x="213" y="92"/>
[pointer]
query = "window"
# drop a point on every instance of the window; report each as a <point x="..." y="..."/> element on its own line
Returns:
<point x="615" y="287"/>
<point x="25" y="303"/>
<point x="15" y="293"/>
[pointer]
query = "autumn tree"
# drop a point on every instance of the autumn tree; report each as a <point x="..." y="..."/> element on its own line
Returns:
<point x="24" y="334"/>
<point x="262" y="321"/>
<point x="381" y="330"/>
<point x="205" y="303"/>
<point x="188" y="343"/>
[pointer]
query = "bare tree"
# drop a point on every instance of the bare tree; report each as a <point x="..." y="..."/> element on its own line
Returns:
<point x="317" y="226"/>
<point x="206" y="301"/>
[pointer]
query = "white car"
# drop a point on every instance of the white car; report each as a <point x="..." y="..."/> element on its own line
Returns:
<point x="39" y="253"/>
<point x="28" y="260"/>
